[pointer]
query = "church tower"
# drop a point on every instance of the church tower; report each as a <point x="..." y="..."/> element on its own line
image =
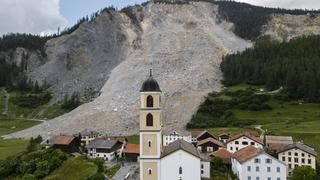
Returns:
<point x="150" y="129"/>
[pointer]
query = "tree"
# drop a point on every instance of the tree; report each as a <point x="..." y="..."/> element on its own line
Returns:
<point x="100" y="164"/>
<point x="303" y="173"/>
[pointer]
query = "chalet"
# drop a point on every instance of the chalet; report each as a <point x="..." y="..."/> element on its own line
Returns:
<point x="243" y="140"/>
<point x="200" y="135"/>
<point x="87" y="136"/>
<point x="131" y="152"/>
<point x="223" y="137"/>
<point x="273" y="143"/>
<point x="224" y="154"/>
<point x="297" y="154"/>
<point x="175" y="135"/>
<point x="69" y="144"/>
<point x="105" y="149"/>
<point x="251" y="163"/>
<point x="209" y="145"/>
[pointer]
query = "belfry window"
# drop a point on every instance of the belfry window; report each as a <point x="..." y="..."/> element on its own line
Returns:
<point x="149" y="120"/>
<point x="180" y="170"/>
<point x="149" y="143"/>
<point x="149" y="101"/>
<point x="149" y="171"/>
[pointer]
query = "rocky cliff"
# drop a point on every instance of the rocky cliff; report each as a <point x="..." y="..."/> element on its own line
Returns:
<point x="182" y="43"/>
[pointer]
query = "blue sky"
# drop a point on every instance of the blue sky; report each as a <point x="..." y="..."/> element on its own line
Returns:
<point x="73" y="10"/>
<point x="46" y="16"/>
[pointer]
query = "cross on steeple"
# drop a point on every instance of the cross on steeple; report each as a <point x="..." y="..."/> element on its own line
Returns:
<point x="150" y="72"/>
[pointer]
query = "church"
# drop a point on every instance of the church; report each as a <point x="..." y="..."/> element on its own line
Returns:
<point x="179" y="160"/>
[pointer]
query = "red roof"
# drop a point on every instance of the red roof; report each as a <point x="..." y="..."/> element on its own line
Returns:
<point x="210" y="139"/>
<point x="246" y="153"/>
<point x="248" y="135"/>
<point x="63" y="140"/>
<point x="221" y="153"/>
<point x="132" y="148"/>
<point x="195" y="133"/>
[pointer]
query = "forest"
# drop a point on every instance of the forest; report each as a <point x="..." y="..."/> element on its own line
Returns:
<point x="293" y="65"/>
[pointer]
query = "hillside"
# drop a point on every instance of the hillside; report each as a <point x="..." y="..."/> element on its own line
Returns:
<point x="183" y="43"/>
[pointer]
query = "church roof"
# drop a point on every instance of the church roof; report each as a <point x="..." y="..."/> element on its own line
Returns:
<point x="180" y="144"/>
<point x="150" y="85"/>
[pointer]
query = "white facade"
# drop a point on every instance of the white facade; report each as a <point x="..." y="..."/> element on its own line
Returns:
<point x="296" y="157"/>
<point x="242" y="142"/>
<point x="189" y="165"/>
<point x="205" y="169"/>
<point x="169" y="138"/>
<point x="85" y="140"/>
<point x="261" y="167"/>
<point x="92" y="153"/>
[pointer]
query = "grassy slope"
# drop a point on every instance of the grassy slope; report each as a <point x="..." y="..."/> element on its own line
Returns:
<point x="134" y="139"/>
<point x="73" y="169"/>
<point x="302" y="121"/>
<point x="11" y="147"/>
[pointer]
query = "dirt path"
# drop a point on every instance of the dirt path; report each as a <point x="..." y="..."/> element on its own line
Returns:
<point x="6" y="102"/>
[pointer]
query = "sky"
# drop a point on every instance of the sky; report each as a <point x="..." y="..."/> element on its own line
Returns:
<point x="45" y="16"/>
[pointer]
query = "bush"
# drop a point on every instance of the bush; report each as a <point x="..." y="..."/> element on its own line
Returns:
<point x="32" y="100"/>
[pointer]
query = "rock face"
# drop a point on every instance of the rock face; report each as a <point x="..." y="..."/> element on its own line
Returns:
<point x="283" y="27"/>
<point x="183" y="44"/>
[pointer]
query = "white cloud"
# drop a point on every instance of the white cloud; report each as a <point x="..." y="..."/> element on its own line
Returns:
<point x="30" y="16"/>
<point x="288" y="4"/>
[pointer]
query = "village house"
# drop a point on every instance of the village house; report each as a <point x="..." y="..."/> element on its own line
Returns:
<point x="273" y="143"/>
<point x="171" y="137"/>
<point x="66" y="143"/>
<point x="297" y="154"/>
<point x="200" y="135"/>
<point x="223" y="137"/>
<point x="224" y="154"/>
<point x="251" y="163"/>
<point x="105" y="149"/>
<point x="131" y="152"/>
<point x="209" y="145"/>
<point x="243" y="140"/>
<point x="87" y="136"/>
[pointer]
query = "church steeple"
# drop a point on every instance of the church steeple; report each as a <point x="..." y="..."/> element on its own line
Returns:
<point x="150" y="129"/>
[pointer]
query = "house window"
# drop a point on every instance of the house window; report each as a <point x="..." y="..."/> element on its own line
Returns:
<point x="269" y="178"/>
<point x="283" y="158"/>
<point x="302" y="154"/>
<point x="290" y="166"/>
<point x="256" y="160"/>
<point x="309" y="161"/>
<point x="149" y="101"/>
<point x="237" y="142"/>
<point x="245" y="143"/>
<point x="231" y="148"/>
<point x="289" y="159"/>
<point x="249" y="177"/>
<point x="278" y="178"/>
<point x="180" y="170"/>
<point x="302" y="160"/>
<point x="149" y="171"/>
<point x="289" y="153"/>
<point x="268" y="169"/>
<point x="278" y="169"/>
<point x="268" y="161"/>
<point x="237" y="148"/>
<point x="257" y="178"/>
<point x="201" y="166"/>
<point x="201" y="171"/>
<point x="257" y="168"/>
<point x="249" y="168"/>
<point x="149" y="119"/>
<point x="252" y="143"/>
<point x="296" y="160"/>
<point x="296" y="154"/>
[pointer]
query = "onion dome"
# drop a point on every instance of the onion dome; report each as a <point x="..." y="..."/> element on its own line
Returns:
<point x="150" y="85"/>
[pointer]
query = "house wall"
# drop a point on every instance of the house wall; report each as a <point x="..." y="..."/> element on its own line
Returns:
<point x="233" y="147"/>
<point x="189" y="163"/>
<point x="208" y="147"/>
<point x="167" y="139"/>
<point x="205" y="169"/>
<point x="294" y="157"/>
<point x="105" y="155"/>
<point x="262" y="173"/>
<point x="85" y="140"/>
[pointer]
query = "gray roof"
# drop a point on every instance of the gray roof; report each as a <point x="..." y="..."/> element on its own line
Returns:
<point x="279" y="139"/>
<point x="88" y="132"/>
<point x="180" y="144"/>
<point x="102" y="144"/>
<point x="302" y="147"/>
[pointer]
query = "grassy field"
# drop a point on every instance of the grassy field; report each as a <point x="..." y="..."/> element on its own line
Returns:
<point x="8" y="125"/>
<point x="74" y="169"/>
<point x="134" y="139"/>
<point x="11" y="147"/>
